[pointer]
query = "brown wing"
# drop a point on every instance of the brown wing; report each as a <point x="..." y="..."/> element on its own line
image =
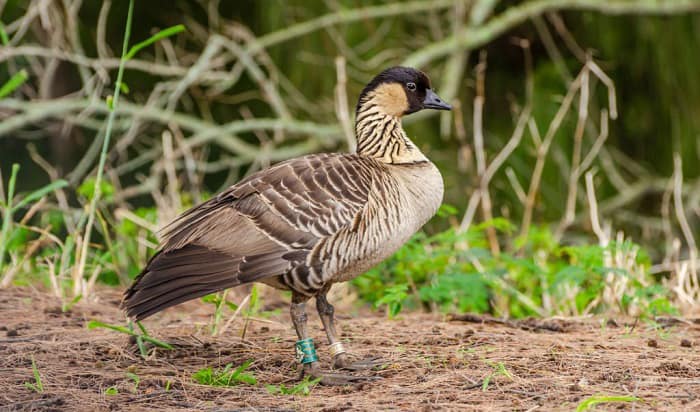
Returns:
<point x="261" y="227"/>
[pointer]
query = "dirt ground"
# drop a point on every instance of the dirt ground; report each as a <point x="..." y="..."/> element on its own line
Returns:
<point x="431" y="362"/>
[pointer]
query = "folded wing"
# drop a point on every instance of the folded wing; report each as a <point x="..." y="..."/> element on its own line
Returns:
<point x="261" y="227"/>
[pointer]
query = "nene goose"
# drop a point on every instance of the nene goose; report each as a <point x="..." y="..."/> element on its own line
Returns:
<point x="307" y="223"/>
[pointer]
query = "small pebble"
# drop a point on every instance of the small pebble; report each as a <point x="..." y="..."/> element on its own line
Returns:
<point x="12" y="333"/>
<point x="686" y="343"/>
<point x="652" y="343"/>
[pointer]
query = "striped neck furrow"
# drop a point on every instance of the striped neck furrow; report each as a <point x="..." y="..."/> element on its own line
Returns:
<point x="381" y="136"/>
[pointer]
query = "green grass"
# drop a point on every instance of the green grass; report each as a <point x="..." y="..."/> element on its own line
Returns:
<point x="592" y="401"/>
<point x="302" y="388"/>
<point x="37" y="385"/>
<point x="9" y="208"/>
<point x="499" y="369"/>
<point x="135" y="379"/>
<point x="129" y="330"/>
<point x="226" y="376"/>
<point x="15" y="81"/>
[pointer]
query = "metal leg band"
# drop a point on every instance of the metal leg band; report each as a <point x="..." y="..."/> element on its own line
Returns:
<point x="305" y="350"/>
<point x="336" y="349"/>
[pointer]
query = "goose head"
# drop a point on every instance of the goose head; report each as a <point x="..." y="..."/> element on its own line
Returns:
<point x="399" y="91"/>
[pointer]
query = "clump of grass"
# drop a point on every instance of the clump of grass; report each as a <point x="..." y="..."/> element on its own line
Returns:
<point x="225" y="376"/>
<point x="220" y="302"/>
<point x="302" y="388"/>
<point x="134" y="378"/>
<point x="37" y="386"/>
<point x="499" y="369"/>
<point x="9" y="208"/>
<point x="594" y="400"/>
<point x="129" y="330"/>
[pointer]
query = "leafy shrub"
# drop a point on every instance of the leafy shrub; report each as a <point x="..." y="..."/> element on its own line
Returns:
<point x="534" y="276"/>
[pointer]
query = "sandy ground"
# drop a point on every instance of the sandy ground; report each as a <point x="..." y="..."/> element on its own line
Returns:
<point x="431" y="362"/>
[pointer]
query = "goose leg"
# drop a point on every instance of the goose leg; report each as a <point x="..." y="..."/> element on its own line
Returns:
<point x="299" y="318"/>
<point x="341" y="360"/>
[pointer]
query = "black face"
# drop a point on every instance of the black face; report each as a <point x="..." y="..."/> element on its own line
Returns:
<point x="416" y="85"/>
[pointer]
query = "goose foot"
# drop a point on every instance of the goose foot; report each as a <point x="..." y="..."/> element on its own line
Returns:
<point x="336" y="379"/>
<point x="343" y="361"/>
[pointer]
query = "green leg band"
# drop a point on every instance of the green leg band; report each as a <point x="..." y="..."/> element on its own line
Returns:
<point x="306" y="352"/>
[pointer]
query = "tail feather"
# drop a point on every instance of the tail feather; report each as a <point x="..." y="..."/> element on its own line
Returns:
<point x="179" y="275"/>
<point x="192" y="271"/>
<point x="173" y="297"/>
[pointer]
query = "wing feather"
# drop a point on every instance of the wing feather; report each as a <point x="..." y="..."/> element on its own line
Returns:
<point x="264" y="226"/>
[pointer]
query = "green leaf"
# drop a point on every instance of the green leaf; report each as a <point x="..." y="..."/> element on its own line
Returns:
<point x="158" y="36"/>
<point x="87" y="189"/>
<point x="112" y="390"/>
<point x="591" y="401"/>
<point x="446" y="210"/>
<point x="15" y="81"/>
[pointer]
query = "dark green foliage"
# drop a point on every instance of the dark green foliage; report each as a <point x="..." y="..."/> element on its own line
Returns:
<point x="457" y="272"/>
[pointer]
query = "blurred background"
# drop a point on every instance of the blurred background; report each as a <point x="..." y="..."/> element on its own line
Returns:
<point x="571" y="160"/>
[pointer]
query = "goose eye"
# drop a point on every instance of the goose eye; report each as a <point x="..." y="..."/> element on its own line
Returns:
<point x="411" y="86"/>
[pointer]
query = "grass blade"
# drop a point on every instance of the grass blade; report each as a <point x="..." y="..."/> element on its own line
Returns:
<point x="7" y="219"/>
<point x="4" y="38"/>
<point x="15" y="81"/>
<point x="83" y="252"/>
<point x="591" y="401"/>
<point x="97" y="324"/>
<point x="37" y="386"/>
<point x="39" y="193"/>
<point x="158" y="36"/>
